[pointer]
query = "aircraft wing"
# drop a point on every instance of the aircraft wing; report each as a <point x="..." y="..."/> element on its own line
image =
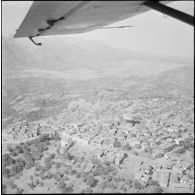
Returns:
<point x="68" y="17"/>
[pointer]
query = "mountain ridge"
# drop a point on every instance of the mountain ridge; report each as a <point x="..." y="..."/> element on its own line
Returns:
<point x="71" y="53"/>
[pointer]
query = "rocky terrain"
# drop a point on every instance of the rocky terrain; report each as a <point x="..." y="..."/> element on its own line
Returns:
<point x="95" y="122"/>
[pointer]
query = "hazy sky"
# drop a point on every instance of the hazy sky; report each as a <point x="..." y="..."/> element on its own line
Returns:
<point x="151" y="32"/>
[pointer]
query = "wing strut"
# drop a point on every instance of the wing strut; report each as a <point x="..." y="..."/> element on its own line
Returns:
<point x="170" y="11"/>
<point x="31" y="38"/>
<point x="116" y="27"/>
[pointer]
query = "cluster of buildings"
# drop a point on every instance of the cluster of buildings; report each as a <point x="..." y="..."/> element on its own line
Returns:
<point x="21" y="130"/>
<point x="172" y="177"/>
<point x="161" y="129"/>
<point x="162" y="135"/>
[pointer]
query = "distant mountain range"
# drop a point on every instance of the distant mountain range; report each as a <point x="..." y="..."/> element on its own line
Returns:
<point x="76" y="60"/>
<point x="67" y="58"/>
<point x="60" y="53"/>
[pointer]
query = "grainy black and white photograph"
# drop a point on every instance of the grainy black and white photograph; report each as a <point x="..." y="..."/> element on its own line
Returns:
<point x="97" y="97"/>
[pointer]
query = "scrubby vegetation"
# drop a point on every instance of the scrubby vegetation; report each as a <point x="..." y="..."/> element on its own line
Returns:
<point x="29" y="152"/>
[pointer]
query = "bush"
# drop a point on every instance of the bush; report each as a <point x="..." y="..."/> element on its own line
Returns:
<point x="49" y="175"/>
<point x="108" y="177"/>
<point x="65" y="178"/>
<point x="56" y="177"/>
<point x="67" y="171"/>
<point x="68" y="156"/>
<point x="41" y="184"/>
<point x="37" y="156"/>
<point x="180" y="150"/>
<point x="29" y="161"/>
<point x="138" y="146"/>
<point x="47" y="143"/>
<point x="31" y="185"/>
<point x="33" y="148"/>
<point x="94" y="183"/>
<point x="6" y="173"/>
<point x="12" y="185"/>
<point x="19" y="191"/>
<point x="103" y="184"/>
<point x="57" y="165"/>
<point x="29" y="143"/>
<point x="42" y="173"/>
<point x="109" y="170"/>
<point x="192" y="154"/>
<point x="73" y="172"/>
<point x="88" y="179"/>
<point x="98" y="170"/>
<point x="3" y="186"/>
<point x="68" y="190"/>
<point x="78" y="175"/>
<point x="38" y="167"/>
<point x="88" y="190"/>
<point x="26" y="153"/>
<point x="10" y="149"/>
<point x="36" y="174"/>
<point x="111" y="185"/>
<point x="135" y="153"/>
<point x="20" y="162"/>
<point x="61" y="175"/>
<point x="138" y="185"/>
<point x="188" y="144"/>
<point x="45" y="148"/>
<point x="15" y="169"/>
<point x="152" y="182"/>
<point x="117" y="144"/>
<point x="44" y="137"/>
<point x="19" y="149"/>
<point x="36" y="152"/>
<point x="61" y="185"/>
<point x="7" y="160"/>
<point x="48" y="164"/>
<point x="56" y="136"/>
<point x="44" y="177"/>
<point x="52" y="156"/>
<point x="107" y="163"/>
<point x="58" y="150"/>
<point x="84" y="177"/>
<point x="14" y="153"/>
<point x="40" y="146"/>
<point x="31" y="177"/>
<point x="127" y="147"/>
